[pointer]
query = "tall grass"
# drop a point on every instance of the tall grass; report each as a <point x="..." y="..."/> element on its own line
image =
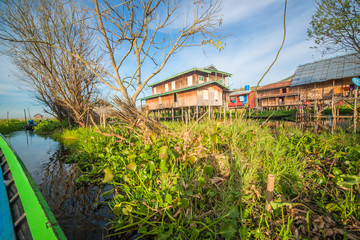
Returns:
<point x="11" y="125"/>
<point x="208" y="180"/>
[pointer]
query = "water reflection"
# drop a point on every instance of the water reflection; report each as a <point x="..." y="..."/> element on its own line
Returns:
<point x="316" y="126"/>
<point x="71" y="204"/>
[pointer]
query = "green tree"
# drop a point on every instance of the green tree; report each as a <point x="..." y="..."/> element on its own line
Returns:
<point x="336" y="25"/>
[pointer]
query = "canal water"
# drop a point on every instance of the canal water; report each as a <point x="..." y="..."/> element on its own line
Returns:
<point x="71" y="204"/>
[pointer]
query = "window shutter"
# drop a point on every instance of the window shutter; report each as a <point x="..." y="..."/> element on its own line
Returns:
<point x="173" y="85"/>
<point x="166" y="87"/>
<point x="205" y="94"/>
<point x="190" y="80"/>
<point x="216" y="95"/>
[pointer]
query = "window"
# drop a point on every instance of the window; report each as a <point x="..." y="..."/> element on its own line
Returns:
<point x="175" y="97"/>
<point x="201" y="79"/>
<point x="160" y="101"/>
<point x="207" y="79"/>
<point x="232" y="99"/>
<point x="216" y="95"/>
<point x="222" y="81"/>
<point x="173" y="85"/>
<point x="166" y="87"/>
<point x="205" y="94"/>
<point x="189" y="80"/>
<point x="241" y="98"/>
<point x="154" y="90"/>
<point x="284" y="90"/>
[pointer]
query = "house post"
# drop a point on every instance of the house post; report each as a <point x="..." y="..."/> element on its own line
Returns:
<point x="355" y="108"/>
<point x="332" y="108"/>
<point x="172" y="114"/>
<point x="182" y="114"/>
<point x="197" y="112"/>
<point x="189" y="113"/>
<point x="315" y="105"/>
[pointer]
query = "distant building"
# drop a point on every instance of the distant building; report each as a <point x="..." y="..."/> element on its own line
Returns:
<point x="191" y="89"/>
<point x="242" y="98"/>
<point x="278" y="94"/>
<point x="323" y="80"/>
<point x="38" y="116"/>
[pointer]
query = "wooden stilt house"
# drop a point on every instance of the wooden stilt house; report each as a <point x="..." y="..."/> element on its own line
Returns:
<point x="328" y="83"/>
<point x="194" y="90"/>
<point x="278" y="95"/>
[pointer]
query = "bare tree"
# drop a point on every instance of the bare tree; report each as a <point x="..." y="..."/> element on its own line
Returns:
<point x="29" y="30"/>
<point x="147" y="33"/>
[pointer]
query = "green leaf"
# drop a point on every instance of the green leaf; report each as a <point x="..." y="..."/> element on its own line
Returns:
<point x="127" y="210"/>
<point x="184" y="203"/>
<point x="234" y="212"/>
<point x="192" y="159"/>
<point x="164" y="235"/>
<point x="151" y="165"/>
<point x="348" y="180"/>
<point x="117" y="209"/>
<point x="107" y="193"/>
<point x="131" y="166"/>
<point x="228" y="230"/>
<point x="208" y="169"/>
<point x="168" y="198"/>
<point x="276" y="205"/>
<point x="108" y="175"/>
<point x="163" y="166"/>
<point x="201" y="180"/>
<point x="163" y="152"/>
<point x="142" y="230"/>
<point x="333" y="207"/>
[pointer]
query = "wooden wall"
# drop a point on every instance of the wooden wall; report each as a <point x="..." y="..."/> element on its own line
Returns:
<point x="181" y="81"/>
<point x="189" y="98"/>
<point x="324" y="90"/>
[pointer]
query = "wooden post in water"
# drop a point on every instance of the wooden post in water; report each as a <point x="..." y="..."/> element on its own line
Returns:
<point x="197" y="112"/>
<point x="269" y="191"/>
<point x="182" y="114"/>
<point x="355" y="109"/>
<point x="25" y="115"/>
<point x="224" y="113"/>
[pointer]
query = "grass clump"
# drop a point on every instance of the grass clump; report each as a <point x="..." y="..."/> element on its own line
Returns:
<point x="11" y="125"/>
<point x="50" y="127"/>
<point x="208" y="181"/>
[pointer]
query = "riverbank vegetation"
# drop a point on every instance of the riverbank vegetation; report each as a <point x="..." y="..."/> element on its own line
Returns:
<point x="11" y="125"/>
<point x="208" y="180"/>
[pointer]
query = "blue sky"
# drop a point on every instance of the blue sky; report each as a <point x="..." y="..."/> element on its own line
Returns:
<point x="256" y="29"/>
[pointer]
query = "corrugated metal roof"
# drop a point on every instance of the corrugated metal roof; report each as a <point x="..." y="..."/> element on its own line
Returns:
<point x="207" y="70"/>
<point x="240" y="93"/>
<point x="333" y="68"/>
<point x="184" y="89"/>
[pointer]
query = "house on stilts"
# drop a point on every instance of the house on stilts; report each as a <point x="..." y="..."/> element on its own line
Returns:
<point x="188" y="94"/>
<point x="328" y="83"/>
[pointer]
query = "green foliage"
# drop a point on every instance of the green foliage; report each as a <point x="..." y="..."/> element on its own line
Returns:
<point x="50" y="127"/>
<point x="336" y="25"/>
<point x="11" y="125"/>
<point x="211" y="182"/>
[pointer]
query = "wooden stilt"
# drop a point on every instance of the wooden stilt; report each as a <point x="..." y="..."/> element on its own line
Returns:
<point x="172" y="114"/>
<point x="355" y="109"/>
<point x="197" y="112"/>
<point x="182" y="114"/>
